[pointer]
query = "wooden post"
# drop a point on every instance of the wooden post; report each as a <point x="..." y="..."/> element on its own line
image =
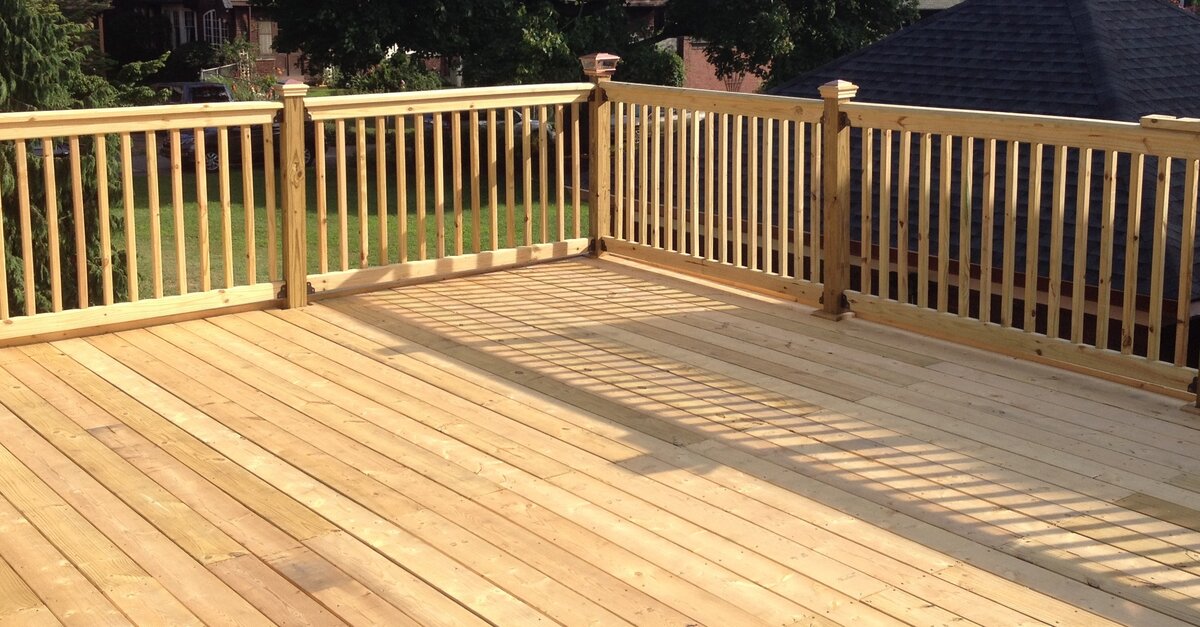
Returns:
<point x="599" y="67"/>
<point x="835" y="179"/>
<point x="295" y="262"/>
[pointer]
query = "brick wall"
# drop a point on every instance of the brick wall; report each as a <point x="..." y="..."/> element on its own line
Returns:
<point x="700" y="74"/>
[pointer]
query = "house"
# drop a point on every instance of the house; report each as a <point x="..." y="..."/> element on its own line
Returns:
<point x="698" y="72"/>
<point x="1103" y="59"/>
<point x="166" y="25"/>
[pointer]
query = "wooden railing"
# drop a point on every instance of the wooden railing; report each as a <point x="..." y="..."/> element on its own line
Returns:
<point x="1061" y="239"/>
<point x="433" y="183"/>
<point x="1054" y="239"/>
<point x="718" y="182"/>
<point x="116" y="225"/>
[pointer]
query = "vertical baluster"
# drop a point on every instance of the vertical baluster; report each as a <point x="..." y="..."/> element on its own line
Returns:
<point x="1058" y="209"/>
<point x="1032" y="234"/>
<point x="1010" y="235"/>
<point x="381" y="188"/>
<point x="322" y="199"/>
<point x="544" y="173"/>
<point x="631" y="151"/>
<point x="618" y="206"/>
<point x="527" y="148"/>
<point x="493" y="181"/>
<point x="576" y="169"/>
<point x="360" y="171"/>
<point x="177" y="207"/>
<point x="681" y="181"/>
<point x="343" y="195"/>
<point x="22" y="158"/>
<point x="781" y="208"/>
<point x="668" y="167"/>
<point x="248" y="207"/>
<point x="421" y="183"/>
<point x="709" y="185"/>
<point x="752" y="182"/>
<point x="798" y="196"/>
<point x="476" y="223"/>
<point x="560" y="173"/>
<point x="456" y="178"/>
<point x="987" y="230"/>
<point x="1083" y="205"/>
<point x="269" y="186"/>
<point x="768" y="199"/>
<point x="1107" y="219"/>
<point x="1183" y="297"/>
<point x="965" y="219"/>
<point x="201" y="165"/>
<point x="100" y="150"/>
<point x="127" y="196"/>
<point x="814" y="201"/>
<point x="644" y="126"/>
<point x="656" y="178"/>
<point x="1133" y="230"/>
<point x="439" y="184"/>
<point x="4" y="312"/>
<point x="510" y="177"/>
<point x="694" y="195"/>
<point x="723" y="191"/>
<point x="81" y="261"/>
<point x="738" y="149"/>
<point x="401" y="188"/>
<point x="923" y="207"/>
<point x="903" y="214"/>
<point x="885" y="215"/>
<point x="1162" y="198"/>
<point x="156" y="248"/>
<point x="945" y="162"/>
<point x="867" y="199"/>
<point x="226" y="206"/>
<point x="50" y="184"/>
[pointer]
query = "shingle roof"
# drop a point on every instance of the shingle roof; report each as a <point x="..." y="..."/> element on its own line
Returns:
<point x="1109" y="59"/>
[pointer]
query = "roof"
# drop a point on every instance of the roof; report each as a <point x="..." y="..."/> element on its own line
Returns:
<point x="1109" y="59"/>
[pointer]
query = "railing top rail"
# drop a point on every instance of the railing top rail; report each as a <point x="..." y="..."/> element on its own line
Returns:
<point x="776" y="107"/>
<point x="445" y="100"/>
<point x="1040" y="129"/>
<point x="38" y="124"/>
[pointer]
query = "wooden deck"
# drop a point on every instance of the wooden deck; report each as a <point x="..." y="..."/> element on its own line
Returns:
<point x="581" y="442"/>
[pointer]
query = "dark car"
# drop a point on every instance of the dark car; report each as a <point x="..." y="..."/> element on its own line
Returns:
<point x="196" y="92"/>
<point x="212" y="154"/>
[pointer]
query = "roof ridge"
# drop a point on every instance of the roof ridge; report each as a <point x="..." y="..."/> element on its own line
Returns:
<point x="1099" y="61"/>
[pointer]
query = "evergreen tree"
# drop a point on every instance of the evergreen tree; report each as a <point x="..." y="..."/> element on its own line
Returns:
<point x="42" y="68"/>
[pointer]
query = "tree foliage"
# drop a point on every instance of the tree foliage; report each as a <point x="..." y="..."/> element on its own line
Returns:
<point x="42" y="66"/>
<point x="521" y="41"/>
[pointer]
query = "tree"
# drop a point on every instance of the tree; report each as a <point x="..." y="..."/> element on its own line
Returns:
<point x="778" y="39"/>
<point x="42" y="67"/>
<point x="503" y="41"/>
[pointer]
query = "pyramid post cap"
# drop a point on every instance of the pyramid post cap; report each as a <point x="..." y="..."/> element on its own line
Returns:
<point x="599" y="65"/>
<point x="842" y="90"/>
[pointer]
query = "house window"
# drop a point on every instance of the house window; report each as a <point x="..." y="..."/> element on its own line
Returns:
<point x="266" y="39"/>
<point x="215" y="29"/>
<point x="187" y="34"/>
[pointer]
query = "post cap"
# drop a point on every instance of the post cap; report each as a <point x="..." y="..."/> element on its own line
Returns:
<point x="293" y="88"/>
<point x="599" y="65"/>
<point x="842" y="90"/>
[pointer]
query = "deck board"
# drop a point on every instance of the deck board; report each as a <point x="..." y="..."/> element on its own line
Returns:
<point x="583" y="442"/>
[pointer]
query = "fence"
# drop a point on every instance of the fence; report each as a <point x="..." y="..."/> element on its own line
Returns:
<point x="1056" y="239"/>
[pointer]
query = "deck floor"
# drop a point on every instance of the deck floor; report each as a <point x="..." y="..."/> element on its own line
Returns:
<point x="581" y="442"/>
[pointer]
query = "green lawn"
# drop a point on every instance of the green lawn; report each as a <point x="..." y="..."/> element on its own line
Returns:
<point x="237" y="217"/>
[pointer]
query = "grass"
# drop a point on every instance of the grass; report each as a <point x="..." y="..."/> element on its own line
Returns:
<point x="265" y="260"/>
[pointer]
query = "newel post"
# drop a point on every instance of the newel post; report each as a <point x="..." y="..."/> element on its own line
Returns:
<point x="291" y="132"/>
<point x="835" y="182"/>
<point x="599" y="67"/>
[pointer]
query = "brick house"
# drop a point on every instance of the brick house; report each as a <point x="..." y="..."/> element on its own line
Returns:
<point x="168" y="24"/>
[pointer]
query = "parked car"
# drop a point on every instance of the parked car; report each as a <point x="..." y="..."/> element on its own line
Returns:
<point x="195" y="92"/>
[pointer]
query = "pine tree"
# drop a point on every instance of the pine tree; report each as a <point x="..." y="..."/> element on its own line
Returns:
<point x="42" y="68"/>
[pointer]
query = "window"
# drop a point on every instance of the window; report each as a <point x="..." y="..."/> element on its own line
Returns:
<point x="215" y="29"/>
<point x="266" y="39"/>
<point x="187" y="34"/>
